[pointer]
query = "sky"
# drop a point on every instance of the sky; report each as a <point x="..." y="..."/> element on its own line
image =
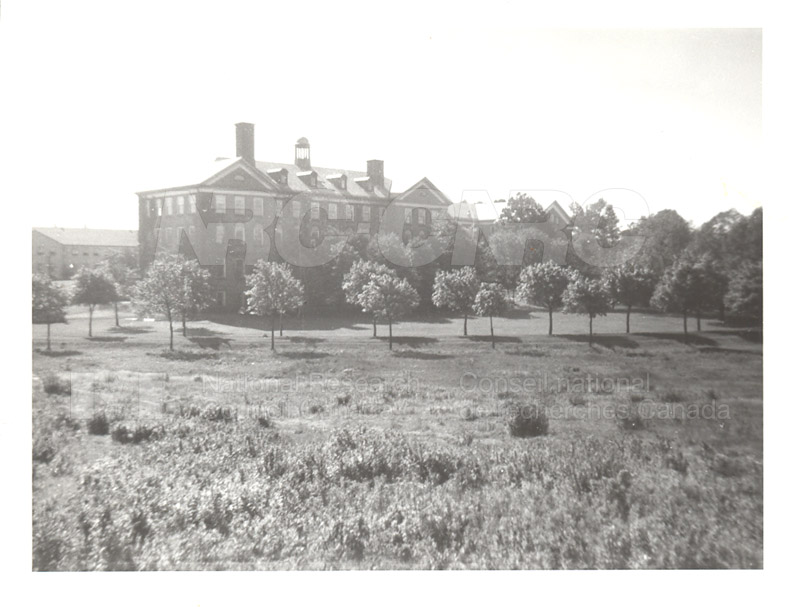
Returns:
<point x="111" y="99"/>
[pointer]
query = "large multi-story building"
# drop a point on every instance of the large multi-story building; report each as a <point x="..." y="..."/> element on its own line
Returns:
<point x="60" y="252"/>
<point x="227" y="215"/>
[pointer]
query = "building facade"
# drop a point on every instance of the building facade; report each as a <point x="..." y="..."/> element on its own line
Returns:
<point x="60" y="252"/>
<point x="236" y="211"/>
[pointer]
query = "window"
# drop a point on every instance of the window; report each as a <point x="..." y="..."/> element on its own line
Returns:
<point x="348" y="212"/>
<point x="179" y="210"/>
<point x="258" y="206"/>
<point x="258" y="234"/>
<point x="238" y="231"/>
<point x="314" y="236"/>
<point x="238" y="205"/>
<point x="221" y="203"/>
<point x="159" y="207"/>
<point x="220" y="234"/>
<point x="192" y="204"/>
<point x="168" y="206"/>
<point x="365" y="213"/>
<point x="333" y="211"/>
<point x="421" y="216"/>
<point x="295" y="208"/>
<point x="314" y="210"/>
<point x="408" y="213"/>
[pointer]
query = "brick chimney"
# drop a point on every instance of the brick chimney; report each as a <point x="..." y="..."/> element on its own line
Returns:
<point x="375" y="172"/>
<point x="245" y="141"/>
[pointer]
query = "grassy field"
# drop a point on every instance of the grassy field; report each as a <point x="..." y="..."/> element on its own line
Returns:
<point x="334" y="452"/>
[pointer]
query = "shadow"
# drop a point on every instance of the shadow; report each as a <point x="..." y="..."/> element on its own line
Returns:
<point x="533" y="353"/>
<point x="412" y="342"/>
<point x="500" y="339"/>
<point x="303" y="355"/>
<point x="215" y="343"/>
<point x="720" y="350"/>
<point x="692" y="339"/>
<point x="305" y="340"/>
<point x="58" y="353"/>
<point x="517" y="313"/>
<point x="184" y="355"/>
<point x="420" y="355"/>
<point x="107" y="339"/>
<point x="607" y="341"/>
<point x="754" y="336"/>
<point x="202" y="332"/>
<point x="130" y="330"/>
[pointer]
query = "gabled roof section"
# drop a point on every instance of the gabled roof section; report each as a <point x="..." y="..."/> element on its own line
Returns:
<point x="424" y="193"/>
<point x="86" y="236"/>
<point x="559" y="211"/>
<point x="183" y="177"/>
<point x="326" y="188"/>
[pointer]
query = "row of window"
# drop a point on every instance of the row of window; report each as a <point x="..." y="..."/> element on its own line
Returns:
<point x="181" y="205"/>
<point x="170" y="236"/>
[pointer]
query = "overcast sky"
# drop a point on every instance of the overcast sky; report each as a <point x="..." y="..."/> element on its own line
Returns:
<point x="115" y="97"/>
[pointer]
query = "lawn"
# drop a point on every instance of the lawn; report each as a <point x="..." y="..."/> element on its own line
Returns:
<point x="334" y="452"/>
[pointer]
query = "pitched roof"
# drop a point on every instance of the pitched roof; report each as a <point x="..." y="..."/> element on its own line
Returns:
<point x="326" y="187"/>
<point x="85" y="236"/>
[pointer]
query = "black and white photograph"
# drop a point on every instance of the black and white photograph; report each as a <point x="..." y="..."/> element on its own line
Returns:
<point x="402" y="287"/>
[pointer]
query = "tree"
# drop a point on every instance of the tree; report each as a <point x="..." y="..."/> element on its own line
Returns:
<point x="631" y="285"/>
<point x="456" y="290"/>
<point x="93" y="287"/>
<point x="587" y="296"/>
<point x="361" y="272"/>
<point x="679" y="290"/>
<point x="161" y="291"/>
<point x="123" y="268"/>
<point x="49" y="303"/>
<point x="388" y="297"/>
<point x="522" y="208"/>
<point x="196" y="293"/>
<point x="490" y="300"/>
<point x="667" y="235"/>
<point x="713" y="285"/>
<point x="543" y="284"/>
<point x="598" y="219"/>
<point x="745" y="296"/>
<point x="272" y="291"/>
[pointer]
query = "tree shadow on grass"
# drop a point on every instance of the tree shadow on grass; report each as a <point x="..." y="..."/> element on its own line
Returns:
<point x="500" y="339"/>
<point x="58" y="353"/>
<point x="305" y="340"/>
<point x="607" y="341"/>
<point x="107" y="338"/>
<point x="303" y="355"/>
<point x="202" y="332"/>
<point x="420" y="355"/>
<point x="130" y="330"/>
<point x="411" y="342"/>
<point x="691" y="339"/>
<point x="214" y="343"/>
<point x="532" y="352"/>
<point x="720" y="350"/>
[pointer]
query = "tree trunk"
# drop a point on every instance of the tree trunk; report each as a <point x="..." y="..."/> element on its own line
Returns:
<point x="491" y="329"/>
<point x="390" y="333"/>
<point x="591" y="318"/>
<point x="374" y="328"/>
<point x="628" y="320"/>
<point x="550" y="313"/>
<point x="116" y="313"/>
<point x="685" y="328"/>
<point x="48" y="337"/>
<point x="465" y="325"/>
<point x="698" y="323"/>
<point x="171" y="333"/>
<point x="272" y="335"/>
<point x="281" y="326"/>
<point x="91" y="312"/>
<point x="183" y="322"/>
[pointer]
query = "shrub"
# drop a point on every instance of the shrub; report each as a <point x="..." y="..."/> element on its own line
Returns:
<point x="264" y="420"/>
<point x="315" y="408"/>
<point x="525" y="420"/>
<point x="53" y="384"/>
<point x="342" y="400"/>
<point x="577" y="400"/>
<point x="218" y="413"/>
<point x="672" y="396"/>
<point x="98" y="423"/>
<point x="123" y="433"/>
<point x="43" y="449"/>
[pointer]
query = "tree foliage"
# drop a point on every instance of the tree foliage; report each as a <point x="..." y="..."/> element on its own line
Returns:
<point x="587" y="296"/>
<point x="490" y="300"/>
<point x="49" y="303"/>
<point x="162" y="290"/>
<point x="272" y="291"/>
<point x="455" y="290"/>
<point x="93" y="287"/>
<point x="522" y="208"/>
<point x="544" y="284"/>
<point x="631" y="285"/>
<point x="745" y="296"/>
<point x="389" y="297"/>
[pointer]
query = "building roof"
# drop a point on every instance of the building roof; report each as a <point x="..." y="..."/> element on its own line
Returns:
<point x="326" y="187"/>
<point x="85" y="236"/>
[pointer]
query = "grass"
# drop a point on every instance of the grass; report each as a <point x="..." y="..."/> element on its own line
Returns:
<point x="359" y="458"/>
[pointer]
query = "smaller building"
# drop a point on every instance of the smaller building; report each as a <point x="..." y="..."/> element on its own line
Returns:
<point x="60" y="252"/>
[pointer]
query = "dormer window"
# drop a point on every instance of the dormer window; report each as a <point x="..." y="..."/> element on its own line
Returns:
<point x="280" y="176"/>
<point x="364" y="182"/>
<point x="308" y="177"/>
<point x="339" y="180"/>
